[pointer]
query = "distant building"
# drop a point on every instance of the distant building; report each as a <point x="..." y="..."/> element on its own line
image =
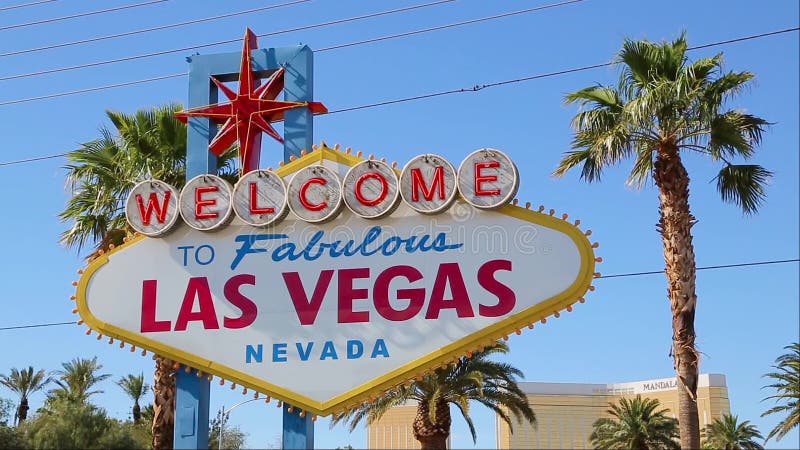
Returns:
<point x="565" y="413"/>
<point x="394" y="430"/>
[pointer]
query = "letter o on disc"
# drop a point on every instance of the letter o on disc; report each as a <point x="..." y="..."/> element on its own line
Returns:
<point x="370" y="189"/>
<point x="315" y="194"/>
<point x="152" y="208"/>
<point x="259" y="198"/>
<point x="428" y="184"/>
<point x="206" y="202"/>
<point x="488" y="179"/>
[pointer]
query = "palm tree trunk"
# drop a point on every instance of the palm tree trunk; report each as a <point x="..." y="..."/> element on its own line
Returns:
<point x="22" y="411"/>
<point x="675" y="227"/>
<point x="164" y="404"/>
<point x="137" y="412"/>
<point x="432" y="435"/>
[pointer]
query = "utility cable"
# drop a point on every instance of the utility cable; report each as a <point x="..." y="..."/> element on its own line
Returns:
<point x="632" y="274"/>
<point x="24" y="5"/>
<point x="722" y="266"/>
<point x="148" y="30"/>
<point x="227" y="41"/>
<point x="83" y="14"/>
<point x="371" y="105"/>
<point x="450" y="25"/>
<point x="36" y="325"/>
<point x="176" y="75"/>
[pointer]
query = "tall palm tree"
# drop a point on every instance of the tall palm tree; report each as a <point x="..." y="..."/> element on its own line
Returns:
<point x="479" y="379"/>
<point x="101" y="173"/>
<point x="635" y="424"/>
<point x="786" y="381"/>
<point x="135" y="387"/>
<point x="727" y="433"/>
<point x="662" y="107"/>
<point x="77" y="378"/>
<point x="24" y="383"/>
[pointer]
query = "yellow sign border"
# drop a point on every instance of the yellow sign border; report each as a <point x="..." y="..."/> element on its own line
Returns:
<point x="394" y="378"/>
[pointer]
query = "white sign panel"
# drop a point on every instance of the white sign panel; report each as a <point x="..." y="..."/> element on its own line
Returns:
<point x="325" y="315"/>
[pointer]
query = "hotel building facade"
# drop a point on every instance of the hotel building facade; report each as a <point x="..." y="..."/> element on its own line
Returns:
<point x="565" y="412"/>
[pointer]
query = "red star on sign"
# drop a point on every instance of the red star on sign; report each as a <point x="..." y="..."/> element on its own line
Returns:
<point x="249" y="111"/>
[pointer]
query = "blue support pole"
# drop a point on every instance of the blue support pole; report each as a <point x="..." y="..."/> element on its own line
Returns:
<point x="298" y="432"/>
<point x="191" y="403"/>
<point x="298" y="134"/>
<point x="298" y="124"/>
<point x="191" y="410"/>
<point x="193" y="392"/>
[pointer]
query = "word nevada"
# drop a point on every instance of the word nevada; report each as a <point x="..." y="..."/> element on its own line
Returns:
<point x="428" y="184"/>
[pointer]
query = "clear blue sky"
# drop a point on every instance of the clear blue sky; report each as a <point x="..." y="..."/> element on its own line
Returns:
<point x="623" y="333"/>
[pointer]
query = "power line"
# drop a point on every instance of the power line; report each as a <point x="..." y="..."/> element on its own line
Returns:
<point x="148" y="30"/>
<point x="28" y="160"/>
<point x="227" y="41"/>
<point x="36" y="325"/>
<point x="83" y="14"/>
<point x="479" y="87"/>
<point x="475" y="88"/>
<point x="24" y="5"/>
<point x="631" y="274"/>
<point x="91" y="89"/>
<point x="338" y="21"/>
<point x="451" y="25"/>
<point x="723" y="266"/>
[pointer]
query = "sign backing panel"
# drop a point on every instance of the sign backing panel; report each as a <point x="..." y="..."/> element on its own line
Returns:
<point x="324" y="316"/>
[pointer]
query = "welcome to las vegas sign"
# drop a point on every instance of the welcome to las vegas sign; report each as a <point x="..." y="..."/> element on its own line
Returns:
<point x="334" y="278"/>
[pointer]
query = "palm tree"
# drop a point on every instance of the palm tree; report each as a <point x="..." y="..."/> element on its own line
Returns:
<point x="479" y="379"/>
<point x="664" y="105"/>
<point x="635" y="424"/>
<point x="24" y="383"/>
<point x="786" y="381"/>
<point x="726" y="433"/>
<point x="76" y="379"/>
<point x="148" y="143"/>
<point x="135" y="387"/>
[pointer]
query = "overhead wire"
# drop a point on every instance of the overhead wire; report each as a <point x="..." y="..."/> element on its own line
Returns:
<point x="631" y="274"/>
<point x="720" y="266"/>
<point x="451" y="25"/>
<point x="394" y="36"/>
<point x="338" y="21"/>
<point x="151" y="29"/>
<point x="226" y="41"/>
<point x="25" y="5"/>
<point x="83" y="14"/>
<point x="474" y="88"/>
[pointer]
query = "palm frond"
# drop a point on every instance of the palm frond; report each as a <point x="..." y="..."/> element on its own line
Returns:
<point x="786" y="383"/>
<point x="734" y="133"/>
<point x="743" y="185"/>
<point x="101" y="172"/>
<point x="725" y="87"/>
<point x="592" y="167"/>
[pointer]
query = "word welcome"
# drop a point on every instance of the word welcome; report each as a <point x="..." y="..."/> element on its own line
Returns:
<point x="428" y="184"/>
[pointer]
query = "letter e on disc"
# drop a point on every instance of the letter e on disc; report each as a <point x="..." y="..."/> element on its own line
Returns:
<point x="206" y="202"/>
<point x="488" y="179"/>
<point x="152" y="208"/>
